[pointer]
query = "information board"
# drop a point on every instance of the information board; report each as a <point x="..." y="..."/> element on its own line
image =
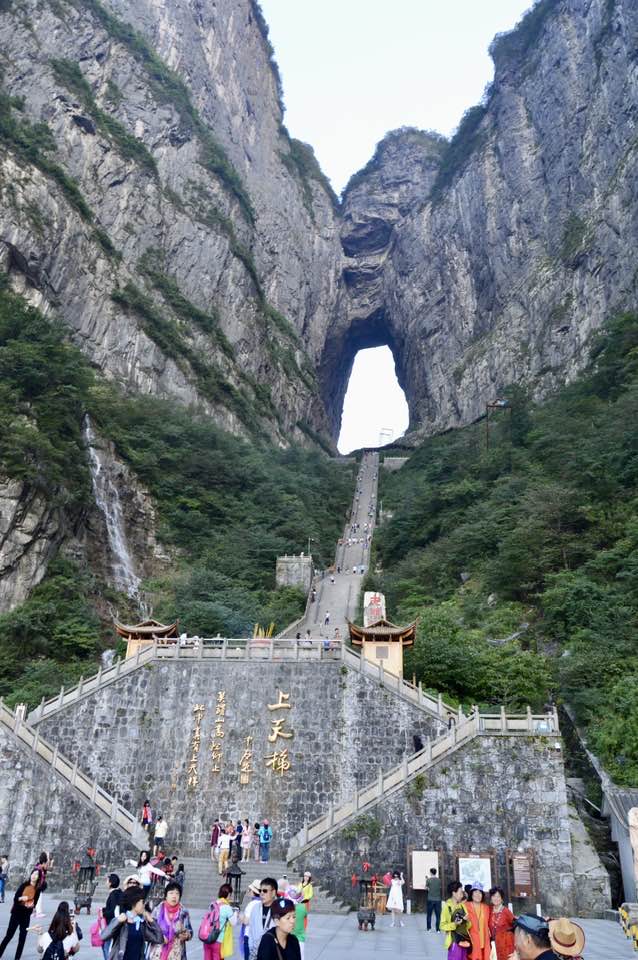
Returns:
<point x="422" y="862"/>
<point x="475" y="869"/>
<point x="522" y="885"/>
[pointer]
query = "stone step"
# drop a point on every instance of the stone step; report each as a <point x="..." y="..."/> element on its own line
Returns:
<point x="203" y="881"/>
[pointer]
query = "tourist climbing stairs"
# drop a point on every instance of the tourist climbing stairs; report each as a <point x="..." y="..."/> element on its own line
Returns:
<point x="203" y="881"/>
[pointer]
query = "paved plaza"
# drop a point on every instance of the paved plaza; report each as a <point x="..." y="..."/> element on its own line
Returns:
<point x="334" y="937"/>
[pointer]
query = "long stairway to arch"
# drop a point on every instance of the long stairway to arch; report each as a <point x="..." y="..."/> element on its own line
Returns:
<point x="339" y="599"/>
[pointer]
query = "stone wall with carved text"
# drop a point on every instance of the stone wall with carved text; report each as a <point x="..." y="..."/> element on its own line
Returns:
<point x="137" y="738"/>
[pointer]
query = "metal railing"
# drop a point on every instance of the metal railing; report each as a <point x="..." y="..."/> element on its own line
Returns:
<point x="88" y="788"/>
<point x="254" y="648"/>
<point x="459" y="734"/>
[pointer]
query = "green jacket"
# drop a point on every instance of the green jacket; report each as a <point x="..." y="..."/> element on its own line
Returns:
<point x="447" y="924"/>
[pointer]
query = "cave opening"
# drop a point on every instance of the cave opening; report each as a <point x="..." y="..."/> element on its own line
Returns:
<point x="375" y="410"/>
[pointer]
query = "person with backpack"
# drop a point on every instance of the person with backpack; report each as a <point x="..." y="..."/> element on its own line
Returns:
<point x="132" y="929"/>
<point x="265" y="836"/>
<point x="61" y="940"/>
<point x="216" y="929"/>
<point x="20" y="916"/>
<point x="174" y="921"/>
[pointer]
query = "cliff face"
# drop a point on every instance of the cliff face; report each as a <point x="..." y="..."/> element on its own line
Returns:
<point x="151" y="198"/>
<point x="188" y="253"/>
<point x="500" y="273"/>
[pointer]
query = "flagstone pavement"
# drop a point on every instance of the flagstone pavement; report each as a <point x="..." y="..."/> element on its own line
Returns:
<point x="335" y="937"/>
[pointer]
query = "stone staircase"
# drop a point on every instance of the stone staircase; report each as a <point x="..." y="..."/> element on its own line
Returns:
<point x="273" y="650"/>
<point x="460" y="733"/>
<point x="203" y="881"/>
<point x="88" y="790"/>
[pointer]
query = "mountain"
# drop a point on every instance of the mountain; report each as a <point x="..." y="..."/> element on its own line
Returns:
<point x="490" y="260"/>
<point x="156" y="211"/>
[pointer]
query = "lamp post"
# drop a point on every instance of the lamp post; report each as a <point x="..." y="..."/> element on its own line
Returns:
<point x="233" y="877"/>
<point x="310" y="540"/>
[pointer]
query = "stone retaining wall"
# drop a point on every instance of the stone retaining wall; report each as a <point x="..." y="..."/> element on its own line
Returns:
<point x="39" y="811"/>
<point x="495" y="794"/>
<point x="135" y="737"/>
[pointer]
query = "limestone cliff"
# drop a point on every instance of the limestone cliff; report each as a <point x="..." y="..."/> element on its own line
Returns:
<point x="151" y="194"/>
<point x="151" y="198"/>
<point x="497" y="269"/>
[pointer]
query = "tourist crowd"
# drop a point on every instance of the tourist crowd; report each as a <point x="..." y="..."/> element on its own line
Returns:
<point x="479" y="930"/>
<point x="249" y="841"/>
<point x="272" y="922"/>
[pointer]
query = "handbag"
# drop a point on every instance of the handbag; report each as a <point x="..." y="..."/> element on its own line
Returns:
<point x="155" y="953"/>
<point x="94" y="932"/>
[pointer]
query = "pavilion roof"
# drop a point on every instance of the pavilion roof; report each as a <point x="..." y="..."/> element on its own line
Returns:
<point x="146" y="628"/>
<point x="383" y="630"/>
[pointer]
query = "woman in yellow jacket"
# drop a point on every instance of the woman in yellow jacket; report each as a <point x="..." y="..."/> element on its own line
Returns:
<point x="456" y="923"/>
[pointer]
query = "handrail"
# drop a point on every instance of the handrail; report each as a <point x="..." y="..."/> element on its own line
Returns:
<point x="460" y="733"/>
<point x="88" y="788"/>
<point x="252" y="648"/>
<point x="208" y="648"/>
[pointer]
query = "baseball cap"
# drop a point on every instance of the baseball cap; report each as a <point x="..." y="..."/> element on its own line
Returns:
<point x="530" y="923"/>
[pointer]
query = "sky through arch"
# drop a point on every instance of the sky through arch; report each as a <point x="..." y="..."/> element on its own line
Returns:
<point x="354" y="69"/>
<point x="374" y="401"/>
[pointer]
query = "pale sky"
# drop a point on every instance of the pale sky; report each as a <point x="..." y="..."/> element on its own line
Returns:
<point x="354" y="69"/>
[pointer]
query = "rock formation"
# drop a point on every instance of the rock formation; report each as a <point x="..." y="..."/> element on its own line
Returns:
<point x="497" y="269"/>
<point x="151" y="197"/>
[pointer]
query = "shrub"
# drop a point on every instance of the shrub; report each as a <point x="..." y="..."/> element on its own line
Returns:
<point x="511" y="48"/>
<point x="467" y="140"/>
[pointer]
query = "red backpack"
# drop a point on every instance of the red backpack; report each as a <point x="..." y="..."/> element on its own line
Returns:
<point x="210" y="927"/>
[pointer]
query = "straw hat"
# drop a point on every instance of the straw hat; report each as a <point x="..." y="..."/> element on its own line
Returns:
<point x="566" y="938"/>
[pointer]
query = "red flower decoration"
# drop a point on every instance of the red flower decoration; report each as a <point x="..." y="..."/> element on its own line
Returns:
<point x="366" y="866"/>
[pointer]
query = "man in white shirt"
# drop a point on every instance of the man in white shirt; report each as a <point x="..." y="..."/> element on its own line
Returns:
<point x="225" y="840"/>
<point x="260" y="916"/>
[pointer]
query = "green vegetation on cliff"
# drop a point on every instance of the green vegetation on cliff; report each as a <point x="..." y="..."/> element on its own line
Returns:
<point x="511" y="48"/>
<point x="44" y="383"/>
<point x="169" y="88"/>
<point x="129" y="146"/>
<point x="521" y="561"/>
<point x="33" y="145"/>
<point x="226" y="508"/>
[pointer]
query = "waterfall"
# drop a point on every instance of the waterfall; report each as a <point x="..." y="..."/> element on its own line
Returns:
<point x="108" y="500"/>
<point x="107" y="658"/>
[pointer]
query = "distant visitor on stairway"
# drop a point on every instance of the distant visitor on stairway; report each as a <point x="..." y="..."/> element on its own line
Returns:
<point x="265" y="839"/>
<point x="161" y="829"/>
